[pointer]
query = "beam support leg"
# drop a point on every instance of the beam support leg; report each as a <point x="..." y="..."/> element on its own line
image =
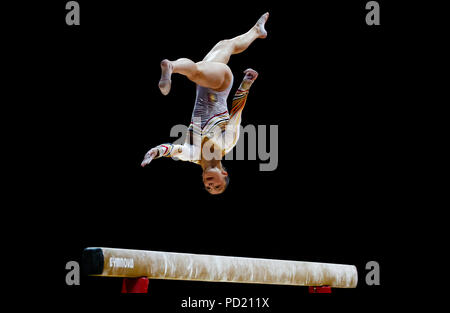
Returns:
<point x="135" y="285"/>
<point x="319" y="289"/>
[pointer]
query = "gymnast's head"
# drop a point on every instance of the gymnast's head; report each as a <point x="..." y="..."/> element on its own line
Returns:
<point x="215" y="179"/>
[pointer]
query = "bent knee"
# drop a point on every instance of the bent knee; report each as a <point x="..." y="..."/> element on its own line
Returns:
<point x="194" y="72"/>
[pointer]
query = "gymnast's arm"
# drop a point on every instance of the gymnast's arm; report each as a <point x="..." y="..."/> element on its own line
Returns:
<point x="237" y="106"/>
<point x="185" y="152"/>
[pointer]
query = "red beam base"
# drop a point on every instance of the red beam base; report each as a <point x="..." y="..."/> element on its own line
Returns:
<point x="135" y="285"/>
<point x="319" y="289"/>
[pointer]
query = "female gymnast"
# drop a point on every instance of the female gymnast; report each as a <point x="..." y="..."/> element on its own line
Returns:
<point x="213" y="131"/>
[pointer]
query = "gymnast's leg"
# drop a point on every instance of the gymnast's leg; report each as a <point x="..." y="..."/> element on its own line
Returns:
<point x="214" y="75"/>
<point x="212" y="72"/>
<point x="225" y="48"/>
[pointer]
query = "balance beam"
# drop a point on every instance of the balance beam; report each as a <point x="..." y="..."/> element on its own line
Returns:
<point x="211" y="268"/>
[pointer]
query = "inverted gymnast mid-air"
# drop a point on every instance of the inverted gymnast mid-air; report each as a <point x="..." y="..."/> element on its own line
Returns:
<point x="213" y="131"/>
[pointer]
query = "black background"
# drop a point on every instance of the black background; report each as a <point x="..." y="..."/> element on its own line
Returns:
<point x="329" y="82"/>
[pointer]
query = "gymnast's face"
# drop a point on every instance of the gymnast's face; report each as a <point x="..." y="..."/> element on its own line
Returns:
<point x="215" y="180"/>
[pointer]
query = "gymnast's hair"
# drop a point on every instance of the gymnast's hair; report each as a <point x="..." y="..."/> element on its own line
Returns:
<point x="227" y="180"/>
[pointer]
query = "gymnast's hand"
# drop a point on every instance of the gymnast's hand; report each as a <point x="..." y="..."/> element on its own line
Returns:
<point x="149" y="156"/>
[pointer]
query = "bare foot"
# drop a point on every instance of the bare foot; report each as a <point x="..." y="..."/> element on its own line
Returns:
<point x="166" y="73"/>
<point x="260" y="25"/>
